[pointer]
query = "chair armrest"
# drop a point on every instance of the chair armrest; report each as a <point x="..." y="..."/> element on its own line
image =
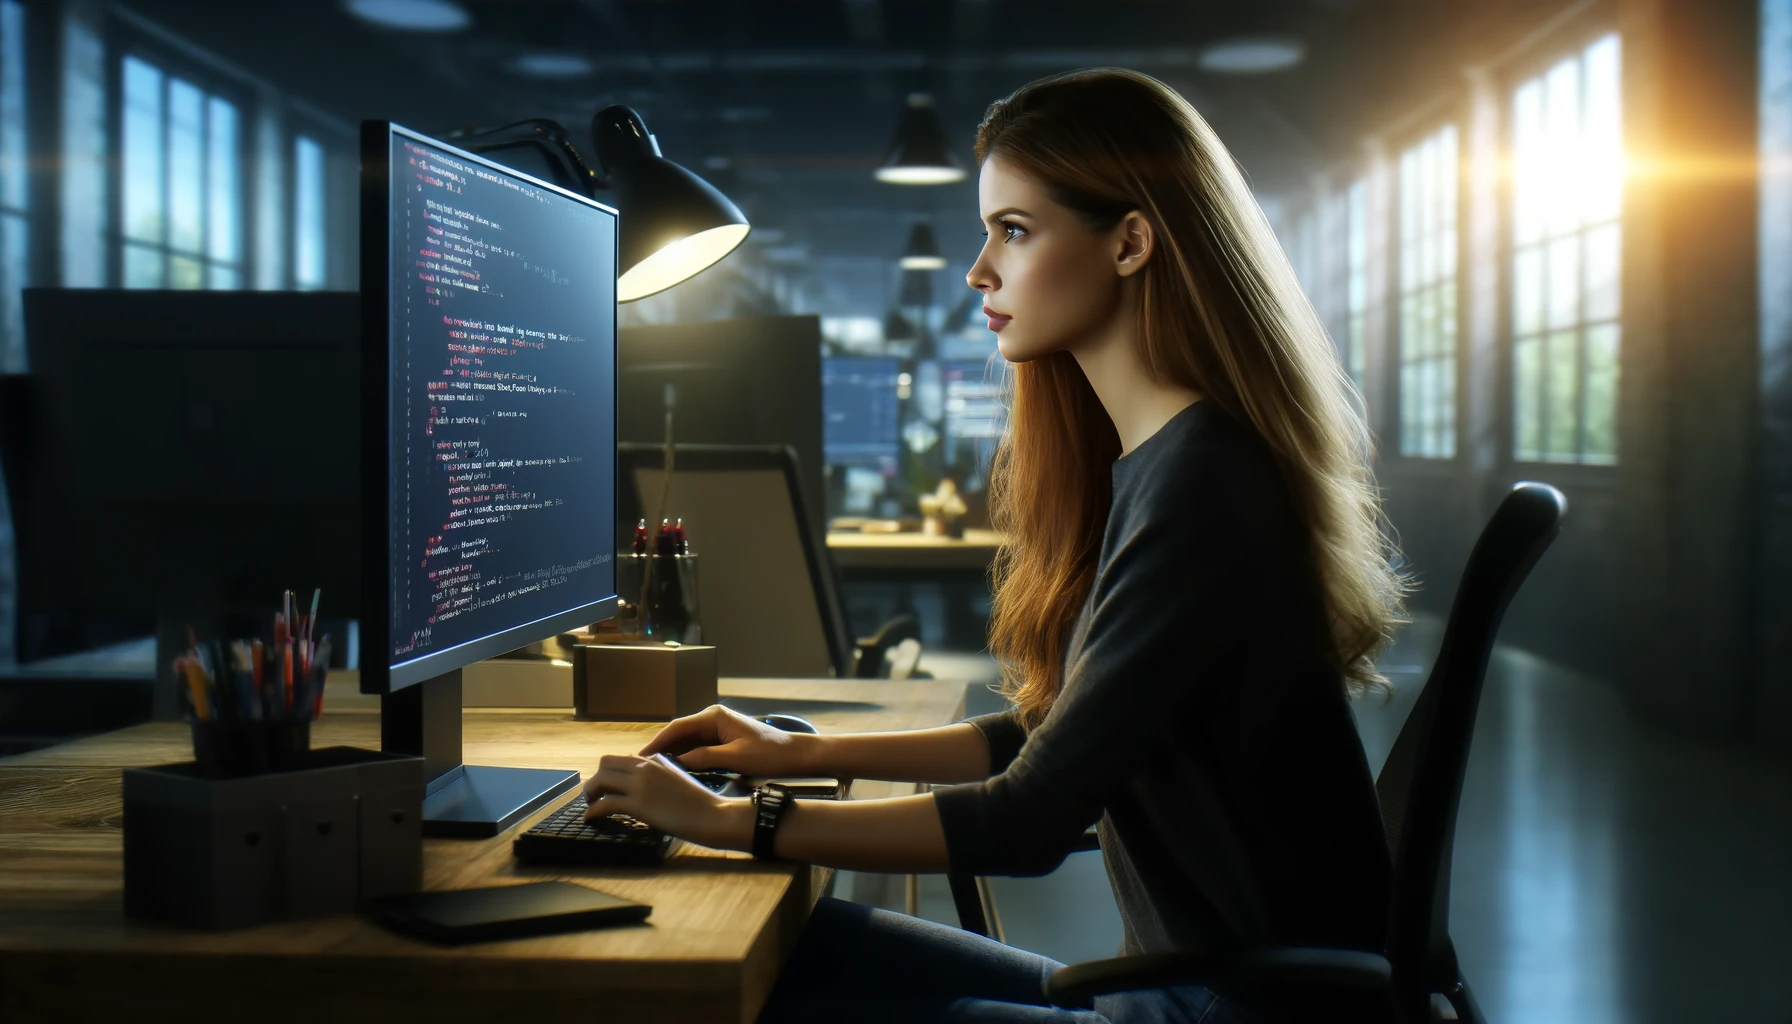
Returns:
<point x="1076" y="986"/>
<point x="868" y="652"/>
<point x="968" y="901"/>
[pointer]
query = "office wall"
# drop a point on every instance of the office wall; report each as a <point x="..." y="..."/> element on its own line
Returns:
<point x="1689" y="409"/>
<point x="1774" y="645"/>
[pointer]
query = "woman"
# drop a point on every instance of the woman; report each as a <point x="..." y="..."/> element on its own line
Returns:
<point x="1193" y="586"/>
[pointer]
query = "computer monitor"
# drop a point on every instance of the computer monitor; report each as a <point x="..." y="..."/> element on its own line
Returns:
<point x="748" y="380"/>
<point x="860" y="410"/>
<point x="489" y="452"/>
<point x="182" y="457"/>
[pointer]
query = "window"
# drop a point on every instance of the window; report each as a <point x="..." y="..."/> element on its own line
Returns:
<point x="1346" y="271"/>
<point x="1566" y="196"/>
<point x="307" y="214"/>
<point x="182" y="183"/>
<point x="1428" y="297"/>
<point x="1356" y="279"/>
<point x="14" y="265"/>
<point x="15" y="238"/>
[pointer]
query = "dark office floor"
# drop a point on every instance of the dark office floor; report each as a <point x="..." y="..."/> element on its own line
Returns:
<point x="1606" y="871"/>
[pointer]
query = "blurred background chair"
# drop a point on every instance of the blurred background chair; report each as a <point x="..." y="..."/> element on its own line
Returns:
<point x="766" y="588"/>
<point x="1420" y="787"/>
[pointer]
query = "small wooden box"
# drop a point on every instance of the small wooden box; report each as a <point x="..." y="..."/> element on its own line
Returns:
<point x="642" y="682"/>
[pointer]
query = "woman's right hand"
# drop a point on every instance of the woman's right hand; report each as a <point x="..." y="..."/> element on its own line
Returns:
<point x="717" y="737"/>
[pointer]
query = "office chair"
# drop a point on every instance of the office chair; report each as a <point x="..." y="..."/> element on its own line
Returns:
<point x="1420" y="787"/>
<point x="766" y="591"/>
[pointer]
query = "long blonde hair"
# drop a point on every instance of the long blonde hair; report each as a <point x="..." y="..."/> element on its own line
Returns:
<point x="1221" y="313"/>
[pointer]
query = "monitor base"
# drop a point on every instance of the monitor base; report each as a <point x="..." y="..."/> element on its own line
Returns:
<point x="480" y="801"/>
<point x="466" y="801"/>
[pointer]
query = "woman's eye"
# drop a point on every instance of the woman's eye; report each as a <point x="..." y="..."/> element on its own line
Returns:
<point x="1009" y="229"/>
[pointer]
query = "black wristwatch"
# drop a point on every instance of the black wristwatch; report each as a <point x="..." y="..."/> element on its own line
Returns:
<point x="770" y="803"/>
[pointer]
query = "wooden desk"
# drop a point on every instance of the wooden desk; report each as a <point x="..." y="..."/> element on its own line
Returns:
<point x="912" y="551"/>
<point x="721" y="927"/>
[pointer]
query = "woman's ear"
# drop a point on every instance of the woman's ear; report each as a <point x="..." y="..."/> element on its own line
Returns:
<point x="1134" y="243"/>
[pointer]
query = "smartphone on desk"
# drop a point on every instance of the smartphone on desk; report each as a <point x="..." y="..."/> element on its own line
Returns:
<point x="455" y="916"/>
<point x="729" y="783"/>
<point x="812" y="788"/>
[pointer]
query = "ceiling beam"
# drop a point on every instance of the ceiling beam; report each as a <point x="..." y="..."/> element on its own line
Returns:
<point x="677" y="62"/>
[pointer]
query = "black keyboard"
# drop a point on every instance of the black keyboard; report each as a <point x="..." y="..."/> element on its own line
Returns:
<point x="565" y="837"/>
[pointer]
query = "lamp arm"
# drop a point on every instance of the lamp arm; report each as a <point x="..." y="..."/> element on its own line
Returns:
<point x="546" y="135"/>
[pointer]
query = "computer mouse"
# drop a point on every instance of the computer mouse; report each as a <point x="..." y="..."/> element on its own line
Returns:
<point x="788" y="723"/>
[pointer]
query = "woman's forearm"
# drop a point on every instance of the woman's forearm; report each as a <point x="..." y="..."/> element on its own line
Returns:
<point x="898" y="834"/>
<point x="953" y="753"/>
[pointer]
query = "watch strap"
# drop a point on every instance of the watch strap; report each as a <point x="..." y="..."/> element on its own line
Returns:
<point x="770" y="803"/>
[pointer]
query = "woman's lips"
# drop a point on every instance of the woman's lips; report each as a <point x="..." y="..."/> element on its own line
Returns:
<point x="997" y="321"/>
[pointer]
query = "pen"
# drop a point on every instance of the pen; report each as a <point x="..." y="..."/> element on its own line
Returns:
<point x="257" y="654"/>
<point x="322" y="667"/>
<point x="195" y="684"/>
<point x="216" y="673"/>
<point x="247" y="704"/>
<point x="209" y="678"/>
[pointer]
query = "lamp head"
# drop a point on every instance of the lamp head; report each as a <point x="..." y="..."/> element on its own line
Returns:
<point x="918" y="154"/>
<point x="673" y="224"/>
<point x="923" y="251"/>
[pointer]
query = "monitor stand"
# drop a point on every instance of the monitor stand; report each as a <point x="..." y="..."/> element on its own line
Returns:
<point x="460" y="800"/>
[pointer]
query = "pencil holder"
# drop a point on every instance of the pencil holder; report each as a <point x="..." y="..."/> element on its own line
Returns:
<point x="343" y="827"/>
<point x="663" y="588"/>
<point x="228" y="750"/>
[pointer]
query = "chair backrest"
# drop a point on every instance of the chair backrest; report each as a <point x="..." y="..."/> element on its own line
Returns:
<point x="1420" y="784"/>
<point x="765" y="589"/>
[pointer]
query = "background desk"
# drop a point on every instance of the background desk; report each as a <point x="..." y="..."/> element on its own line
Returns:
<point x="722" y="923"/>
<point x="943" y="582"/>
<point x="853" y="551"/>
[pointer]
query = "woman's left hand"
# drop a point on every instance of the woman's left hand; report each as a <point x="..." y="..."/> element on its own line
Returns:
<point x="658" y="792"/>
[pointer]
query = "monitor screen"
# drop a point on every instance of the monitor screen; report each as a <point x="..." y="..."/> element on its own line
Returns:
<point x="974" y="417"/>
<point x="498" y="334"/>
<point x="859" y="411"/>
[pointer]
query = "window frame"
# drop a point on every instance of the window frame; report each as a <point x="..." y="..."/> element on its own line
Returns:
<point x="1351" y="324"/>
<point x="294" y="129"/>
<point x="1454" y="114"/>
<point x="123" y="43"/>
<point x="1570" y="41"/>
<point x="26" y="219"/>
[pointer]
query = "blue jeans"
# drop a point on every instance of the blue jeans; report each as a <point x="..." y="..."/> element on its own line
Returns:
<point x="862" y="964"/>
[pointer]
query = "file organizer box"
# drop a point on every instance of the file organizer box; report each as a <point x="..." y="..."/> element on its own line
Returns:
<point x="230" y="853"/>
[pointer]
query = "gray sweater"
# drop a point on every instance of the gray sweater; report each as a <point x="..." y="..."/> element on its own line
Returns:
<point x="1198" y="722"/>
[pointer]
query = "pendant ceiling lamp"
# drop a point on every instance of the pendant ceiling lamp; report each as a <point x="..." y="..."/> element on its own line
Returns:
<point x="923" y="251"/>
<point x="918" y="154"/>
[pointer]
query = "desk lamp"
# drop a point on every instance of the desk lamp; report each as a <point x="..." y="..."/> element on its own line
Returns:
<point x="673" y="224"/>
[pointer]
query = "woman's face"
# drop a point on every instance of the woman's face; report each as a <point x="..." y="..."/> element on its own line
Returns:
<point x="1048" y="280"/>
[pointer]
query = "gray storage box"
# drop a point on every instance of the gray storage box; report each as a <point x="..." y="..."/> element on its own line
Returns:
<point x="229" y="853"/>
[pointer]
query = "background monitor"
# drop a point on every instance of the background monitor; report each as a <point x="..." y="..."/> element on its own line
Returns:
<point x="974" y="416"/>
<point x="861" y="417"/>
<point x="860" y="411"/>
<point x="750" y="380"/>
<point x="489" y="391"/>
<point x="185" y="456"/>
